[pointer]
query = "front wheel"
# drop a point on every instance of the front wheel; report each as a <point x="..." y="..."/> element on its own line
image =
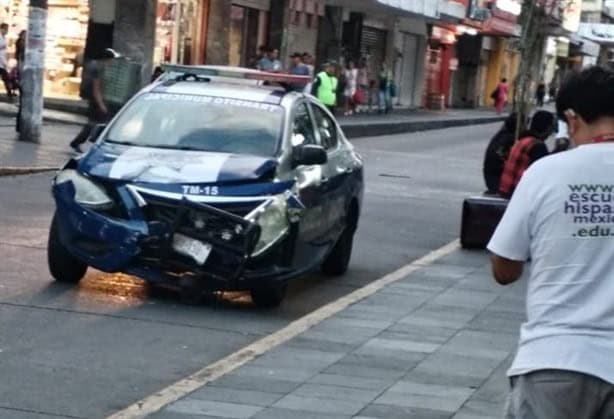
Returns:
<point x="62" y="265"/>
<point x="269" y="295"/>
<point x="338" y="261"/>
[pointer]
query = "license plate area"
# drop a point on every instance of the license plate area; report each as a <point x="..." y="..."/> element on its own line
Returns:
<point x="195" y="249"/>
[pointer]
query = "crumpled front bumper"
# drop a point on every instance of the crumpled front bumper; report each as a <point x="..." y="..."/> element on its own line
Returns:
<point x="102" y="242"/>
<point x="141" y="244"/>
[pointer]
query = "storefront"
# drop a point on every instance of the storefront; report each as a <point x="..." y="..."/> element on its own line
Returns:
<point x="179" y="32"/>
<point x="66" y="34"/>
<point x="440" y="66"/>
<point x="249" y="20"/>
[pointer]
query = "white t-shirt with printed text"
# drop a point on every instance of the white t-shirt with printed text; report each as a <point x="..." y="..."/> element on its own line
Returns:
<point x="562" y="217"/>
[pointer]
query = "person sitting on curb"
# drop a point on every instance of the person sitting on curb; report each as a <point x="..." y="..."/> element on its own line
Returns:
<point x="497" y="152"/>
<point x="563" y="367"/>
<point x="526" y="151"/>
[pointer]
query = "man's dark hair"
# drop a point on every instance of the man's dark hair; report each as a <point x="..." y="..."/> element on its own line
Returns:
<point x="4" y="26"/>
<point x="590" y="94"/>
<point x="542" y="123"/>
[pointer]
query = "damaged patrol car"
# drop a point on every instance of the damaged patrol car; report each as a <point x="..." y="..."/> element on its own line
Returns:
<point x="211" y="177"/>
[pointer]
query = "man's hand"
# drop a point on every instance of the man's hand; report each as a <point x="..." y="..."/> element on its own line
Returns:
<point x="506" y="271"/>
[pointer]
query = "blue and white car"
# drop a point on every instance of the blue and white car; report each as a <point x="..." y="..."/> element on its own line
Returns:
<point x="211" y="179"/>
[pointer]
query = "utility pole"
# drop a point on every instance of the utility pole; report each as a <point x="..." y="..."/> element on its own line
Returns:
<point x="33" y="73"/>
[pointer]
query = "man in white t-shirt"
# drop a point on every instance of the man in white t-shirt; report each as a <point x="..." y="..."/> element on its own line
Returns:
<point x="4" y="74"/>
<point x="561" y="216"/>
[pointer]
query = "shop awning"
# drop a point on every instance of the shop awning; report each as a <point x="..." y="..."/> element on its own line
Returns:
<point x="427" y="8"/>
<point x="498" y="26"/>
<point x="601" y="33"/>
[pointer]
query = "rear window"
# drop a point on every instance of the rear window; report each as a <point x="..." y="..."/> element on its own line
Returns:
<point x="203" y="123"/>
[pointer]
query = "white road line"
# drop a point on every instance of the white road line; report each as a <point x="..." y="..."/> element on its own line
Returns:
<point x="181" y="388"/>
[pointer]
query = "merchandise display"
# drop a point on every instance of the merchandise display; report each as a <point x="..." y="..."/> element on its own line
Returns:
<point x="66" y="33"/>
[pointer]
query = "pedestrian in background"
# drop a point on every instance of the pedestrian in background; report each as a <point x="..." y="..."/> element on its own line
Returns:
<point x="526" y="151"/>
<point x="563" y="367"/>
<point x="384" y="98"/>
<point x="297" y="68"/>
<point x="254" y="61"/>
<point x="500" y="95"/>
<point x="362" y="93"/>
<point x="308" y="61"/>
<point x="325" y="86"/>
<point x="20" y="55"/>
<point x="270" y="62"/>
<point x="4" y="74"/>
<point x="351" y="86"/>
<point x="540" y="93"/>
<point x="92" y="90"/>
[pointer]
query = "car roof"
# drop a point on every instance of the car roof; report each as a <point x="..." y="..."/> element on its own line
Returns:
<point x="221" y="89"/>
<point x="226" y="82"/>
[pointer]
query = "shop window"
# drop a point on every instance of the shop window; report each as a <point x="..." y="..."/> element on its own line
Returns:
<point x="66" y="35"/>
<point x="177" y="24"/>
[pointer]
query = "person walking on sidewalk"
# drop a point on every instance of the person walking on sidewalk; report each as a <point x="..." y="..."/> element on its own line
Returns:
<point x="526" y="151"/>
<point x="4" y="30"/>
<point x="325" y="86"/>
<point x="500" y="95"/>
<point x="92" y="90"/>
<point x="540" y="94"/>
<point x="564" y="365"/>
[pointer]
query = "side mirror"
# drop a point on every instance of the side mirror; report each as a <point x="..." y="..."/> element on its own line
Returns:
<point x="95" y="132"/>
<point x="309" y="155"/>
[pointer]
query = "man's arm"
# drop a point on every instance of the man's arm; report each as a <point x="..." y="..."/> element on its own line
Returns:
<point x="315" y="86"/>
<point x="506" y="271"/>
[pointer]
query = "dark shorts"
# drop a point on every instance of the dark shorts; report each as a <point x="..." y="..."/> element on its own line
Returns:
<point x="557" y="394"/>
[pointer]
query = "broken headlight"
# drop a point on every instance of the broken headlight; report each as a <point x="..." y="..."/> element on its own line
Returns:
<point x="87" y="193"/>
<point x="272" y="217"/>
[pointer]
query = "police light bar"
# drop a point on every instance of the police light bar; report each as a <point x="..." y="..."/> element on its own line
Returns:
<point x="173" y="71"/>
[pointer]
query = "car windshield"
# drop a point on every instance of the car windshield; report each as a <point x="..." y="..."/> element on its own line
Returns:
<point x="203" y="123"/>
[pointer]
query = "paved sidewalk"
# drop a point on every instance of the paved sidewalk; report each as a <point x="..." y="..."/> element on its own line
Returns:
<point x="434" y="345"/>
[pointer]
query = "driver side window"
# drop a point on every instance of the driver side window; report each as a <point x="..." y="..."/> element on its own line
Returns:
<point x="327" y="129"/>
<point x="303" y="132"/>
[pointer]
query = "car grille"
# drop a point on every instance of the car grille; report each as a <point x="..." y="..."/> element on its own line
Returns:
<point x="232" y="237"/>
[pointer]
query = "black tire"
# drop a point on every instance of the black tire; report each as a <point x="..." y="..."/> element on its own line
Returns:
<point x="338" y="261"/>
<point x="62" y="265"/>
<point x="269" y="295"/>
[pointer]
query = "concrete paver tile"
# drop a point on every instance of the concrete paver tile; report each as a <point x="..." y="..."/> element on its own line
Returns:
<point x="239" y="380"/>
<point x="320" y="405"/>
<point x="353" y="381"/>
<point x="324" y="391"/>
<point x="280" y="413"/>
<point x="231" y="395"/>
<point x="384" y="411"/>
<point x="212" y="408"/>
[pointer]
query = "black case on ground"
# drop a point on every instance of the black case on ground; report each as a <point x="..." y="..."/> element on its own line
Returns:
<point x="481" y="215"/>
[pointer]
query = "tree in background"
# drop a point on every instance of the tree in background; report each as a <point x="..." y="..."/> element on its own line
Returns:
<point x="536" y="19"/>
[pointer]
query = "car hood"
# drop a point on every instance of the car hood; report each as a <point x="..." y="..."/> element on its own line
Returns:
<point x="163" y="166"/>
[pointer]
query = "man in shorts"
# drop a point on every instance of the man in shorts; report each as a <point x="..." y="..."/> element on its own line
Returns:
<point x="561" y="217"/>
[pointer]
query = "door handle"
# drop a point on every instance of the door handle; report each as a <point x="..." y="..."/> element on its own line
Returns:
<point x="324" y="180"/>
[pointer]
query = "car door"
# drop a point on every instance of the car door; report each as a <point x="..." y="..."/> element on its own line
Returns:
<point x="312" y="235"/>
<point x="335" y="173"/>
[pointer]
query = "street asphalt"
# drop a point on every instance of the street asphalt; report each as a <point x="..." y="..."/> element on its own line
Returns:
<point x="89" y="351"/>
